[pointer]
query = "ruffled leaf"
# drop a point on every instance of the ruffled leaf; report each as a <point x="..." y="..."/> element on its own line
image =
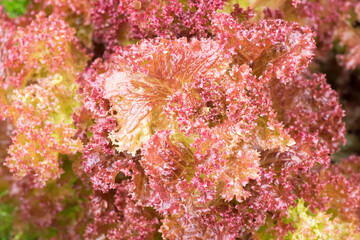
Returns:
<point x="308" y="105"/>
<point x="168" y="162"/>
<point x="272" y="48"/>
<point x="138" y="97"/>
<point x="41" y="115"/>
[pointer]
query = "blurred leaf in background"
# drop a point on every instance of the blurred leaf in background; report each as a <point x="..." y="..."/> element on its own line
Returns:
<point x="6" y="220"/>
<point x="14" y="7"/>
